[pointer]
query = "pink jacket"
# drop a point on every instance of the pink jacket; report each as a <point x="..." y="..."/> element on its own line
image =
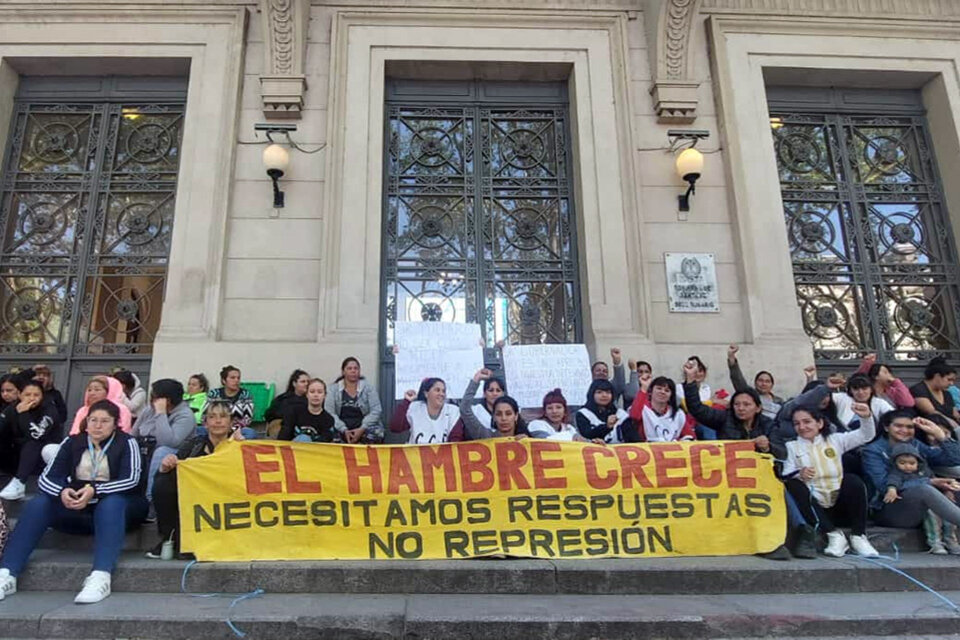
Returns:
<point x="898" y="393"/>
<point x="114" y="395"/>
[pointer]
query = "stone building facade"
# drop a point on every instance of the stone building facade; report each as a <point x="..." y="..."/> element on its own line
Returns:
<point x="828" y="195"/>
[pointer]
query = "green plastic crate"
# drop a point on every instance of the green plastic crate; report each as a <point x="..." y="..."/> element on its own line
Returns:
<point x="262" y="394"/>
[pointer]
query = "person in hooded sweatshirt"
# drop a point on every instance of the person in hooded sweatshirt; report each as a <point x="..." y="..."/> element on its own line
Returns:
<point x="168" y="419"/>
<point x="36" y="423"/>
<point x="908" y="471"/>
<point x="599" y="417"/>
<point x="134" y="397"/>
<point x="103" y="388"/>
<point x="98" y="388"/>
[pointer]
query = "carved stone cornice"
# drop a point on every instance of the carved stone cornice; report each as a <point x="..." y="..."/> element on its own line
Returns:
<point x="669" y="27"/>
<point x="826" y="8"/>
<point x="283" y="82"/>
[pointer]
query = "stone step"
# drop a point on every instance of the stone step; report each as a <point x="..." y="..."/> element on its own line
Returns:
<point x="478" y="617"/>
<point x="51" y="570"/>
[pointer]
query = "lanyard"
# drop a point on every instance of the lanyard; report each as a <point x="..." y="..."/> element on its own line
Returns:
<point x="97" y="458"/>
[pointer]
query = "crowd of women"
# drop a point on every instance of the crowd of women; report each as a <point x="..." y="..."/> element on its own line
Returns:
<point x="847" y="450"/>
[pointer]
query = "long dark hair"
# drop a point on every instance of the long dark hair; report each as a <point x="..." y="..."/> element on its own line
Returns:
<point x="294" y="377"/>
<point x="521" y="423"/>
<point x="426" y="385"/>
<point x="601" y="412"/>
<point x="763" y="373"/>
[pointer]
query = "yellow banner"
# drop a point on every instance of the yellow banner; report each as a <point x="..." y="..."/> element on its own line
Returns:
<point x="530" y="498"/>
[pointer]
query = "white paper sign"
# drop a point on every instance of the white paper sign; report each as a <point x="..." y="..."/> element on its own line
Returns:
<point x="533" y="370"/>
<point x="436" y="350"/>
<point x="692" y="283"/>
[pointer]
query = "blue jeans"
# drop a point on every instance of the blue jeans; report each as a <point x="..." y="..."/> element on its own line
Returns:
<point x="107" y="520"/>
<point x="705" y="433"/>
<point x="158" y="455"/>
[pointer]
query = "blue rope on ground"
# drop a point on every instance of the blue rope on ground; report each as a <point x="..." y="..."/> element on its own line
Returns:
<point x="875" y="561"/>
<point x="245" y="596"/>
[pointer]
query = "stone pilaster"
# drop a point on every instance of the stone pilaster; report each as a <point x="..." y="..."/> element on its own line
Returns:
<point x="283" y="82"/>
<point x="669" y="25"/>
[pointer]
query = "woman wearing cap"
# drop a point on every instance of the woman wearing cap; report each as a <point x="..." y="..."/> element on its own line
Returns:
<point x="168" y="419"/>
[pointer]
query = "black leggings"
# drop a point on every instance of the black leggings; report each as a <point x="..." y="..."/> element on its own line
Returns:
<point x="165" y="503"/>
<point x="850" y="507"/>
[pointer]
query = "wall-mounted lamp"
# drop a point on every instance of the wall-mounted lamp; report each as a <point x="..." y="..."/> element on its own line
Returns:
<point x="276" y="158"/>
<point x="689" y="160"/>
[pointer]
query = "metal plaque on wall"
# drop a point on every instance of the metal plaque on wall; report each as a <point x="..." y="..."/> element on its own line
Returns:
<point x="692" y="282"/>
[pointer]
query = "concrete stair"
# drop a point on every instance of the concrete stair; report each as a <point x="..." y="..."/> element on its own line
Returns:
<point x="736" y="597"/>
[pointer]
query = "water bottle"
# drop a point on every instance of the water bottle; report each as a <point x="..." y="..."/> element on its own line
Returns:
<point x="166" y="550"/>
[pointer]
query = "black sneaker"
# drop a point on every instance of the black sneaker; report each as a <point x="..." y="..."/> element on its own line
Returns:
<point x="780" y="553"/>
<point x="156" y="552"/>
<point x="805" y="545"/>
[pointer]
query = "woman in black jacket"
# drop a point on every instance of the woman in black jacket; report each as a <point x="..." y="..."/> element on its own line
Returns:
<point x="92" y="486"/>
<point x="29" y="425"/>
<point x="742" y="420"/>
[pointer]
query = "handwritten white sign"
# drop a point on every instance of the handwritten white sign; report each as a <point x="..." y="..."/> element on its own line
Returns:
<point x="692" y="283"/>
<point x="436" y="350"/>
<point x="533" y="370"/>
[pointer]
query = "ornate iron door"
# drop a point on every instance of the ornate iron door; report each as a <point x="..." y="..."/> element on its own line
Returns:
<point x="87" y="211"/>
<point x="873" y="252"/>
<point x="478" y="218"/>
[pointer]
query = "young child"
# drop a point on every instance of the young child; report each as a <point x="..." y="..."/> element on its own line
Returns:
<point x="908" y="469"/>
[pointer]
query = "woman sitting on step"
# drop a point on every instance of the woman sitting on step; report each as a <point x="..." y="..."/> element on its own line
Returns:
<point x="31" y="423"/>
<point x="814" y="476"/>
<point x="165" y="496"/>
<point x="92" y="486"/>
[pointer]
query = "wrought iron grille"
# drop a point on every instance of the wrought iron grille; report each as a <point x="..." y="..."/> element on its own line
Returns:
<point x="873" y="253"/>
<point x="86" y="214"/>
<point x="479" y="222"/>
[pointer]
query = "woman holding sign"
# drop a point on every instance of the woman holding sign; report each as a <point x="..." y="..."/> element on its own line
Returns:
<point x="217" y="421"/>
<point x="92" y="486"/>
<point x="503" y="420"/>
<point x="426" y="415"/>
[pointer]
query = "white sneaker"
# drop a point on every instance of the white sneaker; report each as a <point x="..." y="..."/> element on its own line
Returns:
<point x="15" y="490"/>
<point x="8" y="584"/>
<point x="837" y="544"/>
<point x="937" y="548"/>
<point x="96" y="587"/>
<point x="862" y="547"/>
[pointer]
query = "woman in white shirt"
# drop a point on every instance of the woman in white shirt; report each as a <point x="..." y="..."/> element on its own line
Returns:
<point x="813" y="474"/>
<point x="427" y="416"/>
